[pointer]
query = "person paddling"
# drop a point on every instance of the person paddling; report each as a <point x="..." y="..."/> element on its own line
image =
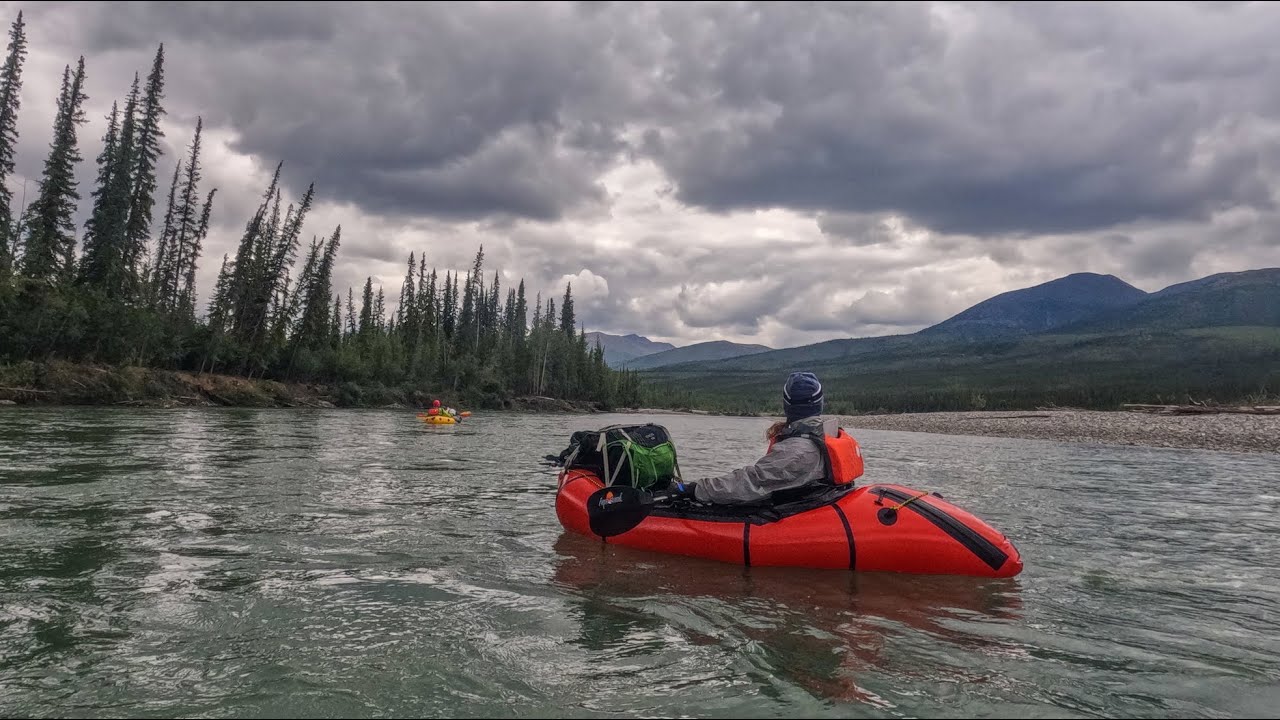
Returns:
<point x="436" y="409"/>
<point x="806" y="453"/>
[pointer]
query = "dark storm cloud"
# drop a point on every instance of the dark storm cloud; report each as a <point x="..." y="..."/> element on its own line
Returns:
<point x="456" y="111"/>
<point x="982" y="119"/>
<point x="975" y="119"/>
<point x="925" y="156"/>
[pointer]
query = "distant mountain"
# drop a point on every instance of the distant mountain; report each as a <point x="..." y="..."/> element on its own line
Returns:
<point x="619" y="349"/>
<point x="823" y="353"/>
<point x="1038" y="309"/>
<point x="1249" y="298"/>
<point x="715" y="350"/>
<point x="1216" y="364"/>
<point x="1013" y="314"/>
<point x="1084" y="340"/>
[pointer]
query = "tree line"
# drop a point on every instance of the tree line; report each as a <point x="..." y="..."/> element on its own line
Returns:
<point x="124" y="290"/>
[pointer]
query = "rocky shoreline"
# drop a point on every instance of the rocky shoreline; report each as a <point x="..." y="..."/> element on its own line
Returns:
<point x="1230" y="432"/>
<point x="63" y="383"/>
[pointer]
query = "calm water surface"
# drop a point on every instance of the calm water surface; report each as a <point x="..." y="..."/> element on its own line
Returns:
<point x="358" y="563"/>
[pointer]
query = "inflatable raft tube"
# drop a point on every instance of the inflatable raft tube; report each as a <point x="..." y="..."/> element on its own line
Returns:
<point x="873" y="528"/>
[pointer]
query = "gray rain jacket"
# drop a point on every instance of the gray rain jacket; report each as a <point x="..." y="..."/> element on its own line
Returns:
<point x="793" y="463"/>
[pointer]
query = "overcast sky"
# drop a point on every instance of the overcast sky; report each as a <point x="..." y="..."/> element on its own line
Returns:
<point x="765" y="173"/>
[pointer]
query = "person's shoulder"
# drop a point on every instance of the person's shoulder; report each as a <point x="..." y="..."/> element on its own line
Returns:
<point x="815" y="425"/>
<point x="799" y="442"/>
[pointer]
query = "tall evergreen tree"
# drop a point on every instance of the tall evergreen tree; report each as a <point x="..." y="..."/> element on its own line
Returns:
<point x="10" y="101"/>
<point x="263" y="312"/>
<point x="163" y="266"/>
<point x="431" y="309"/>
<point x="146" y="151"/>
<point x="449" y="306"/>
<point x="114" y="228"/>
<point x="408" y="310"/>
<point x="466" y="317"/>
<point x="102" y="263"/>
<point x="187" y="298"/>
<point x="567" y="322"/>
<point x="245" y="268"/>
<point x="509" y="316"/>
<point x="314" y="329"/>
<point x="185" y="225"/>
<point x="50" y="228"/>
<point x="221" y="298"/>
<point x="522" y="314"/>
<point x="366" y="310"/>
<point x="492" y="319"/>
<point x="351" y="313"/>
<point x="335" y="337"/>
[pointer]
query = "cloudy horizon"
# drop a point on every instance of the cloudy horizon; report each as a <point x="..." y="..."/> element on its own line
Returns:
<point x="763" y="173"/>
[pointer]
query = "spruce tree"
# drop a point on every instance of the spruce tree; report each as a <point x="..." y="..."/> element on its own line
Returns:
<point x="467" y="316"/>
<point x="10" y="101"/>
<point x="335" y="333"/>
<point x="314" y="326"/>
<point x="351" y="313"/>
<point x="431" y="308"/>
<point x="50" y="228"/>
<point x="522" y="314"/>
<point x="146" y="151"/>
<point x="118" y="197"/>
<point x="566" y="311"/>
<point x="163" y="267"/>
<point x="509" y="316"/>
<point x="407" y="313"/>
<point x="102" y="264"/>
<point x="182" y="235"/>
<point x="221" y="297"/>
<point x="187" y="298"/>
<point x="366" y="310"/>
<point x="448" y="306"/>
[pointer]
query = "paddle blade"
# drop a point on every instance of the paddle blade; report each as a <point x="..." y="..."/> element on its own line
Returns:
<point x="465" y="413"/>
<point x="617" y="509"/>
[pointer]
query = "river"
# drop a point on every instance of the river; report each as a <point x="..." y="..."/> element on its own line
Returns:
<point x="348" y="563"/>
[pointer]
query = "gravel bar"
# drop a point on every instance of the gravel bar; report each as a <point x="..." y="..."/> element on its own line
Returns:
<point x="1231" y="432"/>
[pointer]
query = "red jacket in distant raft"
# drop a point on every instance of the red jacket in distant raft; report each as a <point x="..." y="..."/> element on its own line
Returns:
<point x="827" y="524"/>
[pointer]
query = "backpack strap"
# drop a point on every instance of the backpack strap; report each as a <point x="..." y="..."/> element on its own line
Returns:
<point x="611" y="475"/>
<point x="821" y="442"/>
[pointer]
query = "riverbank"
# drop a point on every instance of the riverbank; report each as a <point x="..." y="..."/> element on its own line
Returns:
<point x="1231" y="432"/>
<point x="63" y="383"/>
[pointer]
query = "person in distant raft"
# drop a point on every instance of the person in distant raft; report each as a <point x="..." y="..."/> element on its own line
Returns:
<point x="447" y="411"/>
<point x="806" y="454"/>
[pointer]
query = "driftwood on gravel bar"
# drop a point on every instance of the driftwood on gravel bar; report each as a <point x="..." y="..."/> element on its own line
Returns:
<point x="1203" y="409"/>
<point x="25" y="390"/>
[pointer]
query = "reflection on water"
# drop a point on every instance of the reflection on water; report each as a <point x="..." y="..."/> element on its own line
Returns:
<point x="819" y="629"/>
<point x="360" y="563"/>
